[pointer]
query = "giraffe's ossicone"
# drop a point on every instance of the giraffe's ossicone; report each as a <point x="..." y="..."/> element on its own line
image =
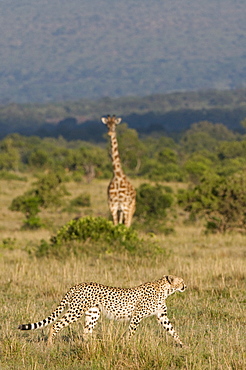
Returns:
<point x="121" y="193"/>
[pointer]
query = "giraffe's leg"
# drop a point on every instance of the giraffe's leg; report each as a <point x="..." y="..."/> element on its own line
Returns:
<point x="115" y="217"/>
<point x="129" y="213"/>
<point x="127" y="219"/>
<point x="69" y="317"/>
<point x="114" y="211"/>
<point x="91" y="317"/>
<point x="120" y="217"/>
<point x="132" y="210"/>
<point x="164" y="321"/>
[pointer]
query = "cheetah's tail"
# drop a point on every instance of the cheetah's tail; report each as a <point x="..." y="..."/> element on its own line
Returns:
<point x="48" y="320"/>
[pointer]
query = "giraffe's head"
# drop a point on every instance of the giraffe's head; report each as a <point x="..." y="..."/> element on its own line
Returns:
<point x="111" y="123"/>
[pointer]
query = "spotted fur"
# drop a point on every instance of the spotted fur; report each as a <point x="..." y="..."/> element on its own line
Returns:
<point x="134" y="304"/>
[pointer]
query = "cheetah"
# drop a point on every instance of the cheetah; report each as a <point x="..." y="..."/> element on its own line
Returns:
<point x="134" y="304"/>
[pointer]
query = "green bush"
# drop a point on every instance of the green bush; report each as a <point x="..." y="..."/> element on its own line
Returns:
<point x="27" y="204"/>
<point x="38" y="158"/>
<point x="153" y="201"/>
<point x="151" y="210"/>
<point x="32" y="223"/>
<point x="197" y="167"/>
<point x="95" y="235"/>
<point x="221" y="200"/>
<point x="83" y="200"/>
<point x="94" y="228"/>
<point x="8" y="243"/>
<point x="158" y="171"/>
<point x="48" y="192"/>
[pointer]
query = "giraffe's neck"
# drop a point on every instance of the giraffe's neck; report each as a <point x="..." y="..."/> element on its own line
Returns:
<point x="117" y="169"/>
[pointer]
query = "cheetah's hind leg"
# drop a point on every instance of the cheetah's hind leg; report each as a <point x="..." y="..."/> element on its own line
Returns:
<point x="67" y="319"/>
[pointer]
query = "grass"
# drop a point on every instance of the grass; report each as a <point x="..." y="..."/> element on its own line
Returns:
<point x="209" y="316"/>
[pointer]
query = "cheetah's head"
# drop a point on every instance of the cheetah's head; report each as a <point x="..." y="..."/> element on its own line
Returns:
<point x="176" y="283"/>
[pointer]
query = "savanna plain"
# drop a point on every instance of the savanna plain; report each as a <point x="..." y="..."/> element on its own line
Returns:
<point x="209" y="316"/>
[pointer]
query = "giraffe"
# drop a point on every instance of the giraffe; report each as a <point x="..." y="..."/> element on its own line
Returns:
<point x="121" y="193"/>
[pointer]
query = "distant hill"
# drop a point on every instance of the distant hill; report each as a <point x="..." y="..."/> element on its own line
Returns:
<point x="64" y="50"/>
<point x="155" y="114"/>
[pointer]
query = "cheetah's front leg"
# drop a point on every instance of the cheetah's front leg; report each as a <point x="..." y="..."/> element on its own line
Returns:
<point x="164" y="321"/>
<point x="134" y="323"/>
<point x="91" y="317"/>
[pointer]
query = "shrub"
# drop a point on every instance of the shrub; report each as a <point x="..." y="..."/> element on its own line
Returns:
<point x="48" y="192"/>
<point x="95" y="235"/>
<point x="94" y="228"/>
<point x="151" y="210"/>
<point x="222" y="200"/>
<point x="27" y="204"/>
<point x="197" y="167"/>
<point x="152" y="201"/>
<point x="158" y="171"/>
<point x="83" y="200"/>
<point x="8" y="243"/>
<point x="38" y="158"/>
<point x="32" y="223"/>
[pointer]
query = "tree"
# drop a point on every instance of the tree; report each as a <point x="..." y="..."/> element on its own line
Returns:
<point x="216" y="130"/>
<point x="232" y="149"/>
<point x="197" y="166"/>
<point x="221" y="200"/>
<point x="205" y="135"/>
<point x="38" y="158"/>
<point x="197" y="141"/>
<point x="29" y="204"/>
<point x="9" y="155"/>
<point x="151" y="210"/>
<point x="131" y="148"/>
<point x="152" y="201"/>
<point x="48" y="192"/>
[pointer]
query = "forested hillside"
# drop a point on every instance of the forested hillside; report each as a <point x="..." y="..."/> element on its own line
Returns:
<point x="59" y="50"/>
<point x="166" y="114"/>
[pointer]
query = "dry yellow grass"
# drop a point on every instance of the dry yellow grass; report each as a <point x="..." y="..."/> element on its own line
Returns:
<point x="209" y="316"/>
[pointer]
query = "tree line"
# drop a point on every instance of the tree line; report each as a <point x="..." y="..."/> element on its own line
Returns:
<point x="209" y="157"/>
<point x="203" y="148"/>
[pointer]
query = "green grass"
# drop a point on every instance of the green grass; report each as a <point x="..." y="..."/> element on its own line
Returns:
<point x="209" y="316"/>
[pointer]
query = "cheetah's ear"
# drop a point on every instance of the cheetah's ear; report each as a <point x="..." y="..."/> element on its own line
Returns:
<point x="170" y="279"/>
